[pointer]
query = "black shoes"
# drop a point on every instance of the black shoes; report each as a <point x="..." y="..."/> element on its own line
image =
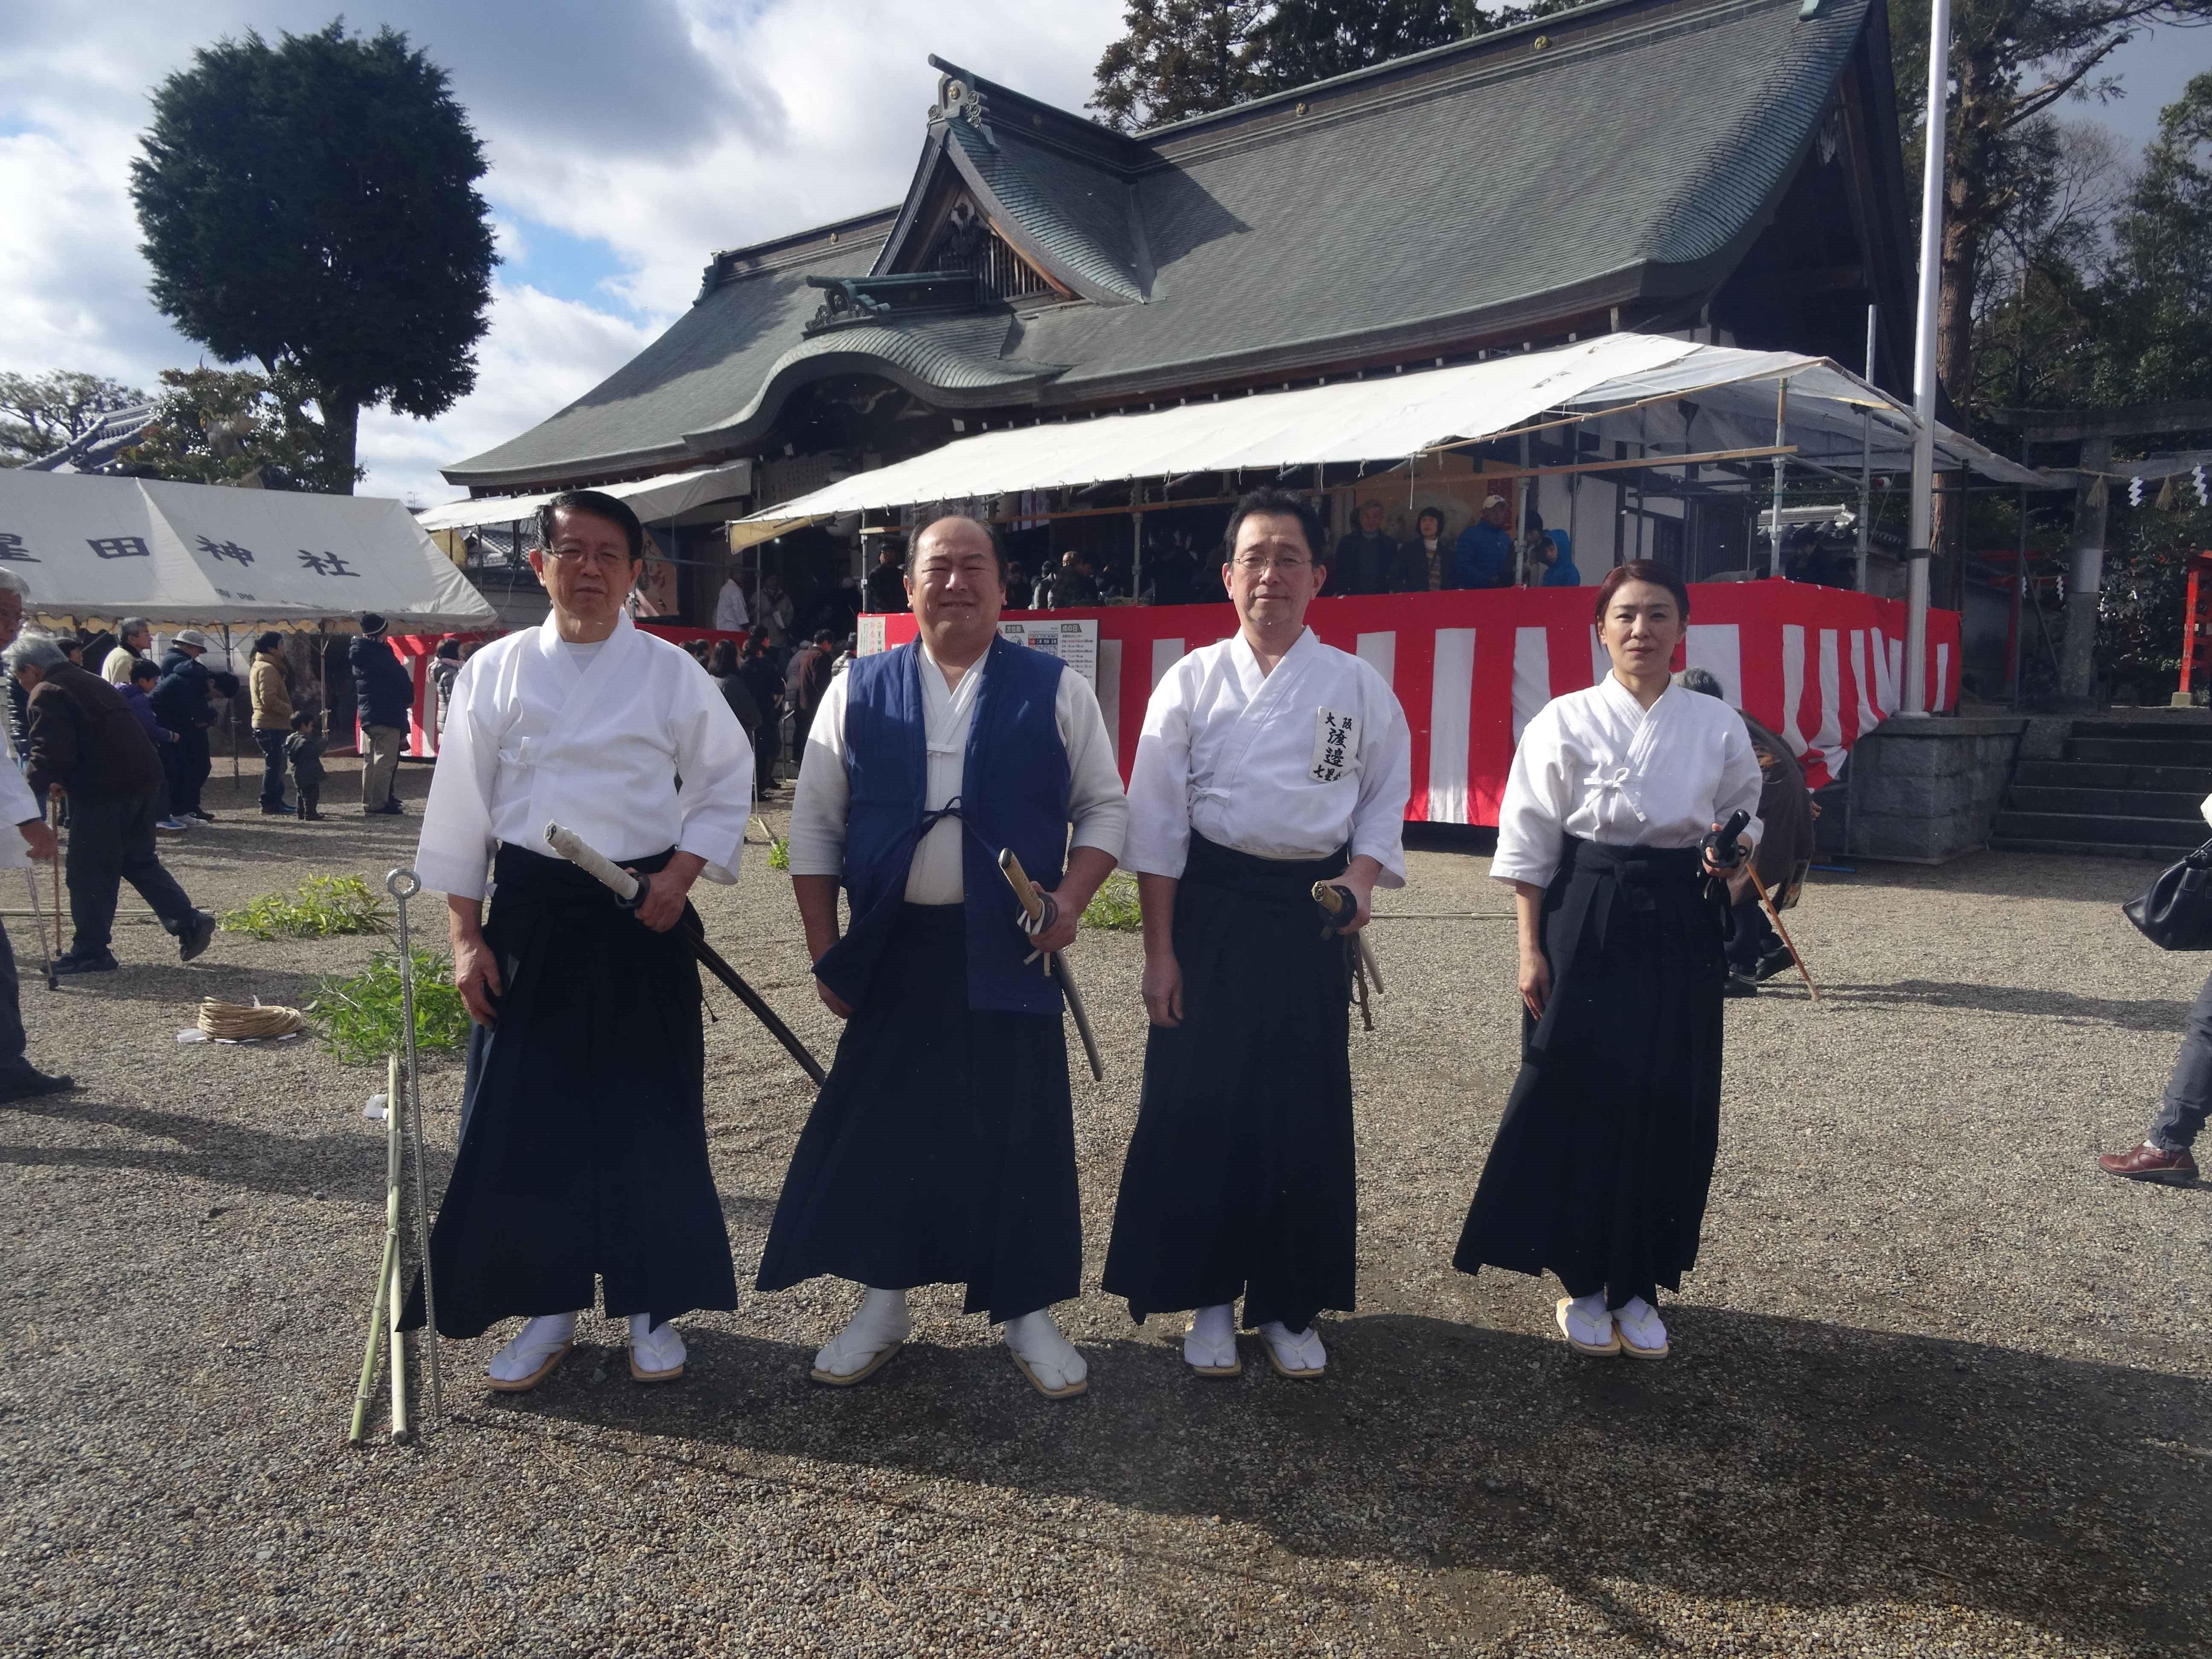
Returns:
<point x="97" y="962"/>
<point x="25" y="1082"/>
<point x="391" y="809"/>
<point x="198" y="932"/>
<point x="282" y="809"/>
<point x="204" y="818"/>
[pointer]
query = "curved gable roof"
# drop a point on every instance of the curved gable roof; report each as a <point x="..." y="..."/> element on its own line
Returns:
<point x="1629" y="150"/>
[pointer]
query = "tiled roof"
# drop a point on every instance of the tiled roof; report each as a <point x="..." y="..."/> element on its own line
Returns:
<point x="1625" y="151"/>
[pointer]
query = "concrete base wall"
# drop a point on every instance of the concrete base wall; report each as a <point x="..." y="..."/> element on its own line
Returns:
<point x="1925" y="790"/>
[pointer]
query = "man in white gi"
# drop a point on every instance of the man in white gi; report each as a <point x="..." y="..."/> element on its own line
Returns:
<point x="731" y="614"/>
<point x="583" y="1136"/>
<point x="942" y="1149"/>
<point x="34" y="838"/>
<point x="1267" y="762"/>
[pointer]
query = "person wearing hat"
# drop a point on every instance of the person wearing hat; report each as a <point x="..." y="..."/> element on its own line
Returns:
<point x="1484" y="555"/>
<point x="184" y="703"/>
<point x="385" y="692"/>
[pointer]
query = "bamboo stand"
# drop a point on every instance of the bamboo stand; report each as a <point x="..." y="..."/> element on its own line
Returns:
<point x="391" y="1298"/>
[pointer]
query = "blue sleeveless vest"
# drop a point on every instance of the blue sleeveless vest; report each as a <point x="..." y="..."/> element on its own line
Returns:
<point x="1014" y="790"/>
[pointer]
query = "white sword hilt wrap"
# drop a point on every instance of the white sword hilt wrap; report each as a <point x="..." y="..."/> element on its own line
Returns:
<point x="629" y="888"/>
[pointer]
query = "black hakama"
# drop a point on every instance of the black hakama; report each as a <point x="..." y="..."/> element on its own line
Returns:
<point x="1240" y="1178"/>
<point x="583" y="1123"/>
<point x="1601" y="1166"/>
<point x="942" y="1149"/>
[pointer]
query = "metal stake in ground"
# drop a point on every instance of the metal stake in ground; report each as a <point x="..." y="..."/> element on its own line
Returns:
<point x="384" y="1307"/>
<point x="405" y="885"/>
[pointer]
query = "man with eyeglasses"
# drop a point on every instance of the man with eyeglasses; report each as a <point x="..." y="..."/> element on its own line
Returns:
<point x="1267" y="762"/>
<point x="942" y="1148"/>
<point x="583" y="1146"/>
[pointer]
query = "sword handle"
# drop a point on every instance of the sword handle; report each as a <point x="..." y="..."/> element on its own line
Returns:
<point x="629" y="888"/>
<point x="1025" y="890"/>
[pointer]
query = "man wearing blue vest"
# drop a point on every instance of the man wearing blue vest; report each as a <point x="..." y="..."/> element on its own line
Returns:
<point x="942" y="1149"/>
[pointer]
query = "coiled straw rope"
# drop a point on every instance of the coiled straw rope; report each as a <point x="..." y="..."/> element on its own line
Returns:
<point x="242" y="1024"/>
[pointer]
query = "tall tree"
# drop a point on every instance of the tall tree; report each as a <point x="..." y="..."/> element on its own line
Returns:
<point x="2159" y="298"/>
<point x="1178" y="58"/>
<point x="218" y="426"/>
<point x="2010" y="62"/>
<point x="39" y="413"/>
<point x="1302" y="41"/>
<point x="312" y="206"/>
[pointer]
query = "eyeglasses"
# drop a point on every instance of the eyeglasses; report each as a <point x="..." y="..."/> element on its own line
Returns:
<point x="1251" y="565"/>
<point x="588" y="558"/>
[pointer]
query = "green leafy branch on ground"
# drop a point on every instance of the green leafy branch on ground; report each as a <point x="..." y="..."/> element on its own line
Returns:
<point x="324" y="905"/>
<point x="362" y="1019"/>
<point x="1114" y="906"/>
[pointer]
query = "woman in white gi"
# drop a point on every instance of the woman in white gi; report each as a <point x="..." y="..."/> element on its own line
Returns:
<point x="1600" y="1168"/>
<point x="1267" y="762"/>
<point x="583" y="1134"/>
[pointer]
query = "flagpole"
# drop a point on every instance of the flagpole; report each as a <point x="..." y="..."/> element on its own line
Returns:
<point x="1924" y="365"/>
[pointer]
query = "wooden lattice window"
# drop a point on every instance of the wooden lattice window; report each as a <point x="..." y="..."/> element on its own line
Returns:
<point x="967" y="241"/>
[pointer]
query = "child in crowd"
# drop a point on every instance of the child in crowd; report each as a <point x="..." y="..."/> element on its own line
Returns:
<point x="304" y="751"/>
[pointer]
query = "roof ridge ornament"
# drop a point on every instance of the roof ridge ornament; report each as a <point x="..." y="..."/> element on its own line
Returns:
<point x="960" y="100"/>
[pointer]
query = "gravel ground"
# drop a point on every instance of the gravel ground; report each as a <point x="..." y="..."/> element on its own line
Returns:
<point x="1939" y="1387"/>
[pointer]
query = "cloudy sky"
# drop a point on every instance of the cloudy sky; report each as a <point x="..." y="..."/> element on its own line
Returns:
<point x="626" y="143"/>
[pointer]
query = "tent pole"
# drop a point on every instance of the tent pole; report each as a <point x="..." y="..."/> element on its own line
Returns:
<point x="1924" y="389"/>
<point x="1781" y="465"/>
<point x="1866" y="463"/>
<point x="230" y="704"/>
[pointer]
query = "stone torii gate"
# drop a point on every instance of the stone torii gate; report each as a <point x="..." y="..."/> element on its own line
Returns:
<point x="2094" y="430"/>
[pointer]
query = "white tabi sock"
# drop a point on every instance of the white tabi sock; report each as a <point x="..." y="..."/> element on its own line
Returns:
<point x="1052" y="1357"/>
<point x="532" y="1347"/>
<point x="1211" y="1339"/>
<point x="1299" y="1350"/>
<point x="883" y="1322"/>
<point x="653" y="1348"/>
<point x="1640" y="1325"/>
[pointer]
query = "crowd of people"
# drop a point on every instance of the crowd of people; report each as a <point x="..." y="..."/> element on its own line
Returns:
<point x="1271" y="769"/>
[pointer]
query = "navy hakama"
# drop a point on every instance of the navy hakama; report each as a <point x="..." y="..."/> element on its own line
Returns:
<point x="1240" y="1179"/>
<point x="942" y="1149"/>
<point x="583" y="1125"/>
<point x="1601" y="1166"/>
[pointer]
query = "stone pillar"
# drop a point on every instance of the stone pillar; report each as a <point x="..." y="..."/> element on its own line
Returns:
<point x="2077" y="668"/>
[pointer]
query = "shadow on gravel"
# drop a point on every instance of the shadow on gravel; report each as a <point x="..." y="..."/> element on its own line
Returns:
<point x="346" y="1167"/>
<point x="2000" y="875"/>
<point x="1770" y="1458"/>
<point x="2129" y="1013"/>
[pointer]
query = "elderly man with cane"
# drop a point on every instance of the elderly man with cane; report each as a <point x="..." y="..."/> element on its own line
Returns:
<point x="19" y="1078"/>
<point x="942" y="1149"/>
<point x="583" y="1146"/>
<point x="84" y="740"/>
<point x="1269" y="763"/>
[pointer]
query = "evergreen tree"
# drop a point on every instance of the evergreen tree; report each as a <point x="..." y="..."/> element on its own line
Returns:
<point x="39" y="413"/>
<point x="312" y="206"/>
<point x="1179" y="59"/>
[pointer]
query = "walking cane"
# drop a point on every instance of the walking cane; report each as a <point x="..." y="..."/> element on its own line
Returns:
<point x="45" y="956"/>
<point x="53" y="822"/>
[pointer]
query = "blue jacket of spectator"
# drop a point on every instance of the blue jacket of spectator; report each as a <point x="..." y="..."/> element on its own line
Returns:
<point x="1482" y="557"/>
<point x="143" y="709"/>
<point x="180" y="699"/>
<point x="382" y="686"/>
<point x="1562" y="573"/>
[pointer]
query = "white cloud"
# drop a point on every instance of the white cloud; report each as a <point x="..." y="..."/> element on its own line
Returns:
<point x="666" y="128"/>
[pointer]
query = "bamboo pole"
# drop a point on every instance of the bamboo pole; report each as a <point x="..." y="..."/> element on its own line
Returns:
<point x="385" y="1273"/>
<point x="389" y="1291"/>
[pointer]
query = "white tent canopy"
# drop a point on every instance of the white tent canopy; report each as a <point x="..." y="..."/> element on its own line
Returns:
<point x="94" y="550"/>
<point x="656" y="500"/>
<point x="1386" y="418"/>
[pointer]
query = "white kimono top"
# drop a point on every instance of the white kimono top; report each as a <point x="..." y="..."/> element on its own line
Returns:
<point x="18" y="806"/>
<point x="533" y="736"/>
<point x="1597" y="765"/>
<point x="1094" y="803"/>
<point x="1289" y="765"/>
<point x="730" y="613"/>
